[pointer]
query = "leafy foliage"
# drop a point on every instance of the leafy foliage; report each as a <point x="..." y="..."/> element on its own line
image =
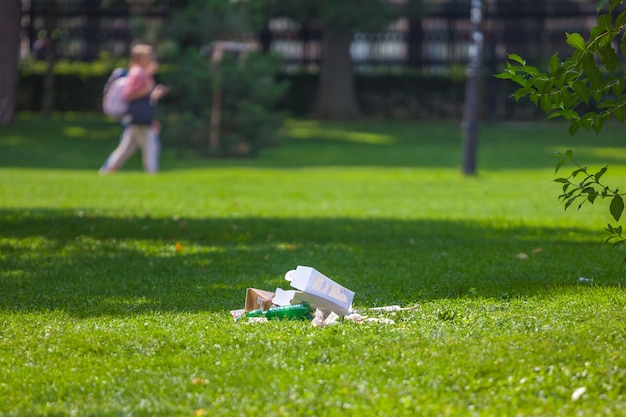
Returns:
<point x="590" y="77"/>
<point x="99" y="67"/>
<point x="247" y="84"/>
<point x="588" y="190"/>
<point x="586" y="89"/>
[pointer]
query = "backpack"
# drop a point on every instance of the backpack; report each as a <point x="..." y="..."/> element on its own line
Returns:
<point x="113" y="102"/>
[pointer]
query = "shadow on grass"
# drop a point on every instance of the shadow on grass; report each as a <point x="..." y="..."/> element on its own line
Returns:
<point x="83" y="142"/>
<point x="92" y="266"/>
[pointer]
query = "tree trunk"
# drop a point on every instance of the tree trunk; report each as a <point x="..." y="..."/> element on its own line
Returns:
<point x="10" y="15"/>
<point x="336" y="98"/>
<point x="472" y="89"/>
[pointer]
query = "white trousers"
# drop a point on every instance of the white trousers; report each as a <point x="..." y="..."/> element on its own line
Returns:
<point x="136" y="137"/>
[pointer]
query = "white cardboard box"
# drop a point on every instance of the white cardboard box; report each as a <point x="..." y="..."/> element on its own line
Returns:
<point x="316" y="289"/>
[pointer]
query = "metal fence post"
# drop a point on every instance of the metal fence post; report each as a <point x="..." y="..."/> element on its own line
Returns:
<point x="472" y="89"/>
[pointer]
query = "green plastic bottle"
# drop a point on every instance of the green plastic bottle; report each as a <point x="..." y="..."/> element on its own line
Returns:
<point x="290" y="312"/>
<point x="254" y="313"/>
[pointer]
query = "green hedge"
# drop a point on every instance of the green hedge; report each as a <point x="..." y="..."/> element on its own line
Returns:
<point x="414" y="96"/>
<point x="385" y="95"/>
<point x="388" y="96"/>
<point x="72" y="93"/>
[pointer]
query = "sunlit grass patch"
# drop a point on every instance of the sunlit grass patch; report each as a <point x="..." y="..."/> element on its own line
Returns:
<point x="115" y="290"/>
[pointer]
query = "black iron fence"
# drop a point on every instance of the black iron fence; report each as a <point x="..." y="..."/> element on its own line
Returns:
<point x="82" y="29"/>
<point x="436" y="42"/>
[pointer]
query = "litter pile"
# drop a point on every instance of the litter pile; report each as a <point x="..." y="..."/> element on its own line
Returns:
<point x="314" y="297"/>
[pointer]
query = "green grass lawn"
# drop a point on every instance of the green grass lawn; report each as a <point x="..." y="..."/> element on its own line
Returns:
<point x="100" y="314"/>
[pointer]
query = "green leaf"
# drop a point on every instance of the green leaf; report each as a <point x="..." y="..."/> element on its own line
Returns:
<point x="618" y="243"/>
<point x="558" y="166"/>
<point x="545" y="103"/>
<point x="530" y="70"/>
<point x="520" y="92"/>
<point x="571" y="115"/>
<point x="601" y="4"/>
<point x="592" y="71"/>
<point x="608" y="57"/>
<point x="620" y="113"/>
<point x="575" y="41"/>
<point x="566" y="186"/>
<point x="554" y="64"/>
<point x="613" y="4"/>
<point x="604" y="22"/>
<point x="556" y="114"/>
<point x="600" y="173"/>
<point x="618" y="88"/>
<point x="607" y="104"/>
<point x="597" y="94"/>
<point x="567" y="99"/>
<point x="597" y="124"/>
<point x="587" y="119"/>
<point x="519" y="79"/>
<point x="595" y="32"/>
<point x="578" y="171"/>
<point x="621" y="19"/>
<point x="517" y="58"/>
<point x="582" y="91"/>
<point x="538" y="83"/>
<point x="567" y="195"/>
<point x="617" y="207"/>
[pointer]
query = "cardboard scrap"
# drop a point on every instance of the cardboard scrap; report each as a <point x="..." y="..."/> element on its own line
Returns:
<point x="310" y="286"/>
<point x="255" y="300"/>
<point x="258" y="299"/>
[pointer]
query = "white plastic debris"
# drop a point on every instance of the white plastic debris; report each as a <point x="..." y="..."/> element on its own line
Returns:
<point x="253" y="320"/>
<point x="379" y="320"/>
<point x="323" y="319"/>
<point x="332" y="319"/>
<point x="318" y="318"/>
<point x="578" y="392"/>
<point x="237" y="314"/>
<point x="354" y="317"/>
<point x="388" y="309"/>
